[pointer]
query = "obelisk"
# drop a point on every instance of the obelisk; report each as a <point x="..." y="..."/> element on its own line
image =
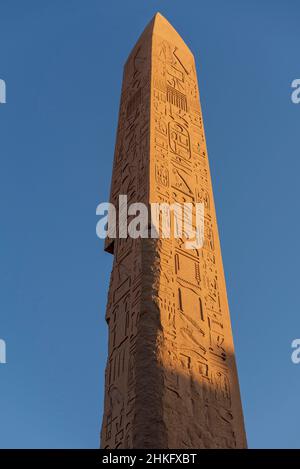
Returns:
<point x="171" y="378"/>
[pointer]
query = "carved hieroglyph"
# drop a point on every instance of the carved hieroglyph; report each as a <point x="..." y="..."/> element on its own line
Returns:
<point x="171" y="379"/>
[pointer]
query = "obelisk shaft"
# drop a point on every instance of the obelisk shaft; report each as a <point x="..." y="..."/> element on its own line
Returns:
<point x="171" y="379"/>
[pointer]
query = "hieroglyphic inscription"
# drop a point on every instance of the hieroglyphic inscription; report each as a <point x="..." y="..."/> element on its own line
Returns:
<point x="131" y="161"/>
<point x="171" y="379"/>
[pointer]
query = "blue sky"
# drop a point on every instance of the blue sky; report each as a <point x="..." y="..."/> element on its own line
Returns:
<point x="62" y="62"/>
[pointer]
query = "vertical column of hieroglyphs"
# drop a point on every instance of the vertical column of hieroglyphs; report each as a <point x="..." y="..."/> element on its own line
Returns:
<point x="201" y="402"/>
<point x="171" y="378"/>
<point x="130" y="173"/>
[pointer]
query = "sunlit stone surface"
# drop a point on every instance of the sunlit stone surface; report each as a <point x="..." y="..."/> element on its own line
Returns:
<point x="171" y="379"/>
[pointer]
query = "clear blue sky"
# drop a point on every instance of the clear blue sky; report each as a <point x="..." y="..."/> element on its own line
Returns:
<point x="62" y="62"/>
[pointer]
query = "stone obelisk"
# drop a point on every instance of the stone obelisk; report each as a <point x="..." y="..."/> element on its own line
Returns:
<point x="171" y="378"/>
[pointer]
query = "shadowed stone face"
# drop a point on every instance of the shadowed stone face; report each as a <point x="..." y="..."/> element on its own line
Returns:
<point x="171" y="379"/>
